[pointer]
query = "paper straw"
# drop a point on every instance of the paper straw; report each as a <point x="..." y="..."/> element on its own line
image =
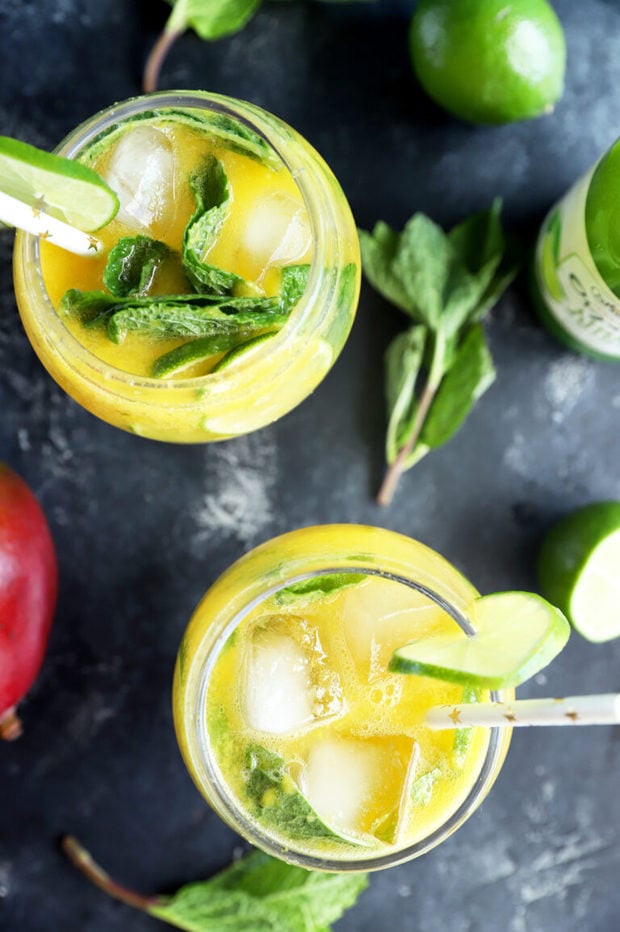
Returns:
<point x="33" y="219"/>
<point x="603" y="709"/>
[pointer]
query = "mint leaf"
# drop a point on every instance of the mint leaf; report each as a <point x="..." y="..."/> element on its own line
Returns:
<point x="241" y="317"/>
<point x="445" y="283"/>
<point x="423" y="786"/>
<point x="294" y="283"/>
<point x="257" y="893"/>
<point x="260" y="893"/>
<point x="471" y="373"/>
<point x="276" y="800"/>
<point x="209" y="185"/>
<point x="403" y="359"/>
<point x="318" y="587"/>
<point x="132" y="264"/>
<point x="379" y="250"/>
<point x="211" y="19"/>
<point x="463" y="736"/>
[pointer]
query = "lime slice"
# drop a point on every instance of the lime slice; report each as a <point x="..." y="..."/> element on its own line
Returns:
<point x="517" y="634"/>
<point x="57" y="186"/>
<point x="578" y="568"/>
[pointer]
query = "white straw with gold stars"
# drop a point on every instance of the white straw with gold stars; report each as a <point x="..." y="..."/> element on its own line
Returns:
<point x="603" y="709"/>
<point x="33" y="219"/>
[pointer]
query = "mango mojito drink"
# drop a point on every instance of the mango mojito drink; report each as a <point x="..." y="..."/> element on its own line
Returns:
<point x="289" y="720"/>
<point x="227" y="282"/>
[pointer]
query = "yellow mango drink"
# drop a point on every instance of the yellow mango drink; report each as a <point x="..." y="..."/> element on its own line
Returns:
<point x="228" y="279"/>
<point x="291" y="724"/>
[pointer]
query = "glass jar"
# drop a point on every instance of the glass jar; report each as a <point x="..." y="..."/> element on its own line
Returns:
<point x="264" y="382"/>
<point x="284" y="561"/>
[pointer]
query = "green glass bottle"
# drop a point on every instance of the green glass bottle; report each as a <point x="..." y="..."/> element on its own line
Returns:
<point x="577" y="263"/>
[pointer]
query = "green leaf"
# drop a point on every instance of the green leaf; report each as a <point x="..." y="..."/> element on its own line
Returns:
<point x="294" y="283"/>
<point x="472" y="372"/>
<point x="379" y="250"/>
<point x="262" y="894"/>
<point x="211" y="19"/>
<point x="423" y="786"/>
<point x="424" y="264"/>
<point x="402" y="365"/>
<point x="463" y="736"/>
<point x="132" y="264"/>
<point x="318" y="587"/>
<point x="276" y="800"/>
<point x="240" y="317"/>
<point x="209" y="185"/>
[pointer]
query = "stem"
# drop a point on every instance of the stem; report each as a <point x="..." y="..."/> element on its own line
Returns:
<point x="10" y="725"/>
<point x="156" y="58"/>
<point x="395" y="471"/>
<point x="81" y="859"/>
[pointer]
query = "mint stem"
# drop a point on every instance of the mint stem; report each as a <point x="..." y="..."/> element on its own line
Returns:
<point x="157" y="57"/>
<point x="392" y="476"/>
<point x="81" y="859"/>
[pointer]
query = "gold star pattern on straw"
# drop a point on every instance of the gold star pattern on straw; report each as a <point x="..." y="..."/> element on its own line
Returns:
<point x="572" y="715"/>
<point x="38" y="206"/>
<point x="45" y="234"/>
<point x="93" y="243"/>
<point x="510" y="716"/>
<point x="455" y="715"/>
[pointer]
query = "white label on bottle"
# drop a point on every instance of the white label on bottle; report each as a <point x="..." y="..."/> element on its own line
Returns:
<point x="569" y="281"/>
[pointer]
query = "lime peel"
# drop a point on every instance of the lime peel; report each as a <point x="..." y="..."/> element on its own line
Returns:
<point x="578" y="569"/>
<point x="517" y="634"/>
<point x="63" y="188"/>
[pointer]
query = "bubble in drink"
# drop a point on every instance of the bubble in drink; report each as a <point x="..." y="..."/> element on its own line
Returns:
<point x="277" y="231"/>
<point x="141" y="172"/>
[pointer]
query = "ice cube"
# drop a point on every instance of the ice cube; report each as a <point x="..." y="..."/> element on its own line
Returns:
<point x="276" y="232"/>
<point x="278" y="689"/>
<point x="380" y="615"/>
<point x="141" y="172"/>
<point x="340" y="780"/>
<point x="289" y="685"/>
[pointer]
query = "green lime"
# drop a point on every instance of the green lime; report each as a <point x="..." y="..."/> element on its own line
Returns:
<point x="489" y="61"/>
<point x="579" y="569"/>
<point x="60" y="187"/>
<point x="517" y="634"/>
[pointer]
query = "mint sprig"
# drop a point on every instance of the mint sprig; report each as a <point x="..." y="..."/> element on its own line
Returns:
<point x="210" y="19"/>
<point x="257" y="892"/>
<point x="440" y="366"/>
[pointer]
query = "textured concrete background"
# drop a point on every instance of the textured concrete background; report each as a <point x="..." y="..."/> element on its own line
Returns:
<point x="143" y="528"/>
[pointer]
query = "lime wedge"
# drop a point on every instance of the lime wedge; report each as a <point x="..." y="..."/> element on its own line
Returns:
<point x="517" y="634"/>
<point x="57" y="186"/>
<point x="579" y="569"/>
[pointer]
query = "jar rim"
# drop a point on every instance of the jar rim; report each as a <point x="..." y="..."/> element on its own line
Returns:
<point x="235" y="816"/>
<point x="86" y="133"/>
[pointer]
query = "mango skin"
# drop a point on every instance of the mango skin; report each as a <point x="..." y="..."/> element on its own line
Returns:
<point x="28" y="594"/>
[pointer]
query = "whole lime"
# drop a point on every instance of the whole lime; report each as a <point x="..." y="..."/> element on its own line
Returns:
<point x="578" y="569"/>
<point x="489" y="61"/>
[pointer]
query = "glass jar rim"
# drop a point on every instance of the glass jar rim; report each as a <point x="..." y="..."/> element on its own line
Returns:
<point x="86" y="133"/>
<point x="234" y="815"/>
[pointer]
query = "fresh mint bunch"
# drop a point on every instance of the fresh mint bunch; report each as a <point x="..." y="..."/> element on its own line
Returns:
<point x="257" y="892"/>
<point x="438" y="368"/>
<point x="210" y="19"/>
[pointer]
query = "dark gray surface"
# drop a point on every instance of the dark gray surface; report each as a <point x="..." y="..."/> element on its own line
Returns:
<point x="143" y="528"/>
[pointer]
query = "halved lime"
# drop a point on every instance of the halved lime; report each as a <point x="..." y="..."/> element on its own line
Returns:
<point x="579" y="569"/>
<point x="57" y="186"/>
<point x="517" y="634"/>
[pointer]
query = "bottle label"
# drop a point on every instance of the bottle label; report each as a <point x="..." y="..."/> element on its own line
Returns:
<point x="570" y="284"/>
